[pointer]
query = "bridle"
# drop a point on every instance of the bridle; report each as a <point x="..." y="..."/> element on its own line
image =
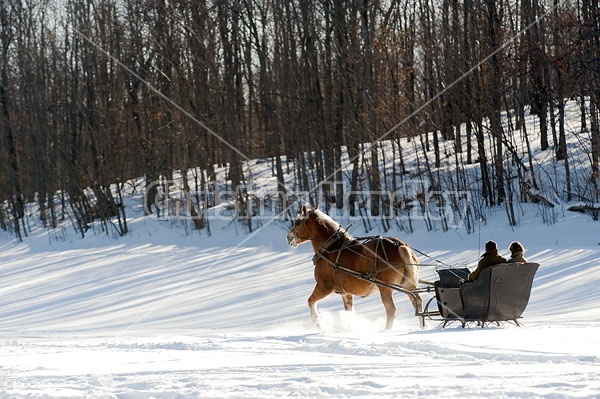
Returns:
<point x="299" y="221"/>
<point x="297" y="224"/>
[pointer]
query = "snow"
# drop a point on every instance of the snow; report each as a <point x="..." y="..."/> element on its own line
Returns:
<point x="162" y="314"/>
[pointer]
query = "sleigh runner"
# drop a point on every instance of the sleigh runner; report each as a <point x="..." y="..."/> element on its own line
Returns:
<point x="360" y="266"/>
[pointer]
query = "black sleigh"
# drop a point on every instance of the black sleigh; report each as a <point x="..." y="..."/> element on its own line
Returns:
<point x="500" y="294"/>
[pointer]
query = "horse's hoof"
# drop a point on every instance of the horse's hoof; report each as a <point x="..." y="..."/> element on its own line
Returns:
<point x="317" y="323"/>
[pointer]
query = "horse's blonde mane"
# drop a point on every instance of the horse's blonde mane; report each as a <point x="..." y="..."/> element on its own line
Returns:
<point x="326" y="220"/>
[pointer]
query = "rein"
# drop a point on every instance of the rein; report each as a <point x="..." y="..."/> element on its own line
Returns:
<point x="427" y="256"/>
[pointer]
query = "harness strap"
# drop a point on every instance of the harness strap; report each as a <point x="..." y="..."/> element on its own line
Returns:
<point x="324" y="248"/>
<point x="376" y="281"/>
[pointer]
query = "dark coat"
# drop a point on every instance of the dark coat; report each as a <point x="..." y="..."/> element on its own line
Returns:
<point x="487" y="259"/>
<point x="517" y="257"/>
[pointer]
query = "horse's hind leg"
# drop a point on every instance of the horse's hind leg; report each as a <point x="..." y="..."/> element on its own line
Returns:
<point x="317" y="294"/>
<point x="390" y="307"/>
<point x="417" y="302"/>
<point x="418" y="305"/>
<point x="348" y="302"/>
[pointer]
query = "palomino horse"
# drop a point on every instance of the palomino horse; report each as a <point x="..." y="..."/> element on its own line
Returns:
<point x="339" y="259"/>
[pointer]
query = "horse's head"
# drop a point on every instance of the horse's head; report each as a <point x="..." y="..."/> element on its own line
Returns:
<point x="301" y="230"/>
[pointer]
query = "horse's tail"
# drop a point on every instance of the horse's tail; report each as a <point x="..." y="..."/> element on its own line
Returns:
<point x="411" y="265"/>
<point x="410" y="279"/>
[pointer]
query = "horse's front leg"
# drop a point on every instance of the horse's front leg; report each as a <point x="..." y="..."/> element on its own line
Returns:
<point x="317" y="294"/>
<point x="348" y="302"/>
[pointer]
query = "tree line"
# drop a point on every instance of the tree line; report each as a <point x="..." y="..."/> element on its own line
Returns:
<point x="96" y="93"/>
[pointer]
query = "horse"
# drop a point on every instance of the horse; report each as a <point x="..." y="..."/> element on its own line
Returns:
<point x="355" y="267"/>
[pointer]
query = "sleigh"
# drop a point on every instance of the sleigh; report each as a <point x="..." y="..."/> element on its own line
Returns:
<point x="500" y="294"/>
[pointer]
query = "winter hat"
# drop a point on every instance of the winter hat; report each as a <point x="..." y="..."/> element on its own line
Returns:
<point x="491" y="246"/>
<point x="516" y="246"/>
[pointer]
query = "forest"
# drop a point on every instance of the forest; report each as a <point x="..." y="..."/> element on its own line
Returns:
<point x="95" y="93"/>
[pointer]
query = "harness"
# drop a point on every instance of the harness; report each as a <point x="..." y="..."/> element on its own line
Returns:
<point x="338" y="243"/>
<point x="345" y="244"/>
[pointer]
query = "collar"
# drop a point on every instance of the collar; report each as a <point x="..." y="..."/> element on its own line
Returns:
<point x="325" y="247"/>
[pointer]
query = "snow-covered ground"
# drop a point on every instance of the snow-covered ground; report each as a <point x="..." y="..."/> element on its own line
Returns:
<point x="161" y="314"/>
